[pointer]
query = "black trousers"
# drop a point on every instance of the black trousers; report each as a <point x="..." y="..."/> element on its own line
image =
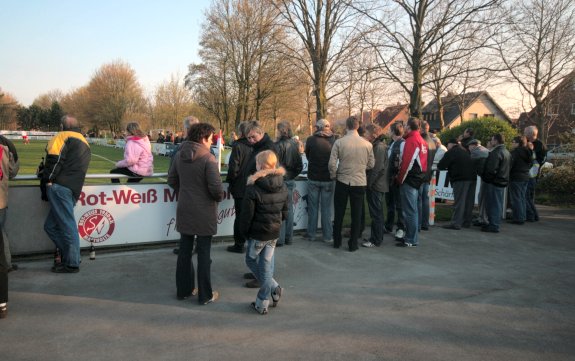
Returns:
<point x="393" y="204"/>
<point x="185" y="276"/>
<point x="127" y="172"/>
<point x="239" y="241"/>
<point x="3" y="271"/>
<point x="356" y="199"/>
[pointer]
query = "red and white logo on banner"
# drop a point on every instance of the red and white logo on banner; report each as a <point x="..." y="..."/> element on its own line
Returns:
<point x="96" y="225"/>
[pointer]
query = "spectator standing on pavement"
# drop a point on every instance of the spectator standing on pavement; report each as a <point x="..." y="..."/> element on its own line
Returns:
<point x="411" y="176"/>
<point x="9" y="166"/>
<point x="260" y="141"/>
<point x="264" y="209"/>
<point x="320" y="187"/>
<point x="3" y="276"/>
<point x="377" y="185"/>
<point x="496" y="177"/>
<point x="355" y="156"/>
<point x="66" y="163"/>
<point x="195" y="177"/>
<point x="241" y="151"/>
<point x="423" y="203"/>
<point x="521" y="162"/>
<point x="392" y="198"/>
<point x="138" y="160"/>
<point x="289" y="158"/>
<point x="463" y="178"/>
<point x="479" y="155"/>
<point x="539" y="153"/>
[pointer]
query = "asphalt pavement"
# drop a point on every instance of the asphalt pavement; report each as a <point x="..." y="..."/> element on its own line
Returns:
<point x="462" y="295"/>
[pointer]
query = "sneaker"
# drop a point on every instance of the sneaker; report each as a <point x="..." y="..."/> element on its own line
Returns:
<point x="406" y="244"/>
<point x="489" y="229"/>
<point x="328" y="241"/>
<point x="451" y="226"/>
<point x="387" y="229"/>
<point x="425" y="228"/>
<point x="3" y="311"/>
<point x="276" y="296"/>
<point x="261" y="311"/>
<point x="236" y="249"/>
<point x="400" y="233"/>
<point x="65" y="269"/>
<point x="253" y="284"/>
<point x="367" y="244"/>
<point x="215" y="296"/>
<point x="176" y="250"/>
<point x="249" y="276"/>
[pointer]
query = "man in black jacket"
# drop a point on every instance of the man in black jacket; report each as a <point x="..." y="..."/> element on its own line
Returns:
<point x="540" y="151"/>
<point x="67" y="160"/>
<point x="241" y="151"/>
<point x="496" y="177"/>
<point x="289" y="157"/>
<point x="463" y="177"/>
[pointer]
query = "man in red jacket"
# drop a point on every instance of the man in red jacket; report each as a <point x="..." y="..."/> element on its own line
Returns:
<point x="411" y="177"/>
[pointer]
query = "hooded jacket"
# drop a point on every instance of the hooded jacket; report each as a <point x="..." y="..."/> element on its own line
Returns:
<point x="413" y="167"/>
<point x="67" y="160"/>
<point x="317" y="150"/>
<point x="195" y="177"/>
<point x="264" y="206"/>
<point x="138" y="156"/>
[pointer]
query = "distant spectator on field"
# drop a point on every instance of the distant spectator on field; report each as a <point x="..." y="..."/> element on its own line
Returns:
<point x="161" y="138"/>
<point x="138" y="160"/>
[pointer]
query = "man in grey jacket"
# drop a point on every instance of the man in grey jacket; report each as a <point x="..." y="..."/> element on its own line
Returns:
<point x="355" y="156"/>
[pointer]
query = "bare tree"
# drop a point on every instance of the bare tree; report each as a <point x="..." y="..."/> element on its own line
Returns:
<point x="410" y="38"/>
<point x="327" y="35"/>
<point x="8" y="108"/>
<point x="46" y="100"/>
<point x="171" y="102"/>
<point x="538" y="49"/>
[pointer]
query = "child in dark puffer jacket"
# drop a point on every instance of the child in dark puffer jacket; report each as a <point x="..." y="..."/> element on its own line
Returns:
<point x="263" y="210"/>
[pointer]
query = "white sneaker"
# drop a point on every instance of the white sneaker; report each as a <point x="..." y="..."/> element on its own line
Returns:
<point x="400" y="233"/>
<point x="368" y="244"/>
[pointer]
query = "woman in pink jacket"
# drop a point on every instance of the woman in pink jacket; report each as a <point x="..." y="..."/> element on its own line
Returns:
<point x="138" y="159"/>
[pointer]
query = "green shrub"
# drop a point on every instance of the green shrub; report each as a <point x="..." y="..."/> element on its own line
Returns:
<point x="483" y="128"/>
<point x="558" y="183"/>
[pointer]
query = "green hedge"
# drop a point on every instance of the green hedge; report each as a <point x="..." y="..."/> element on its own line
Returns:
<point x="558" y="183"/>
<point x="484" y="129"/>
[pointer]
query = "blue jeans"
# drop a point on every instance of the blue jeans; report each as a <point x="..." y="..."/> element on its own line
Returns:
<point x="286" y="230"/>
<point x="530" y="210"/>
<point x="319" y="194"/>
<point x="409" y="206"/>
<point x="60" y="225"/>
<point x="375" y="204"/>
<point x="493" y="205"/>
<point x="260" y="261"/>
<point x="517" y="194"/>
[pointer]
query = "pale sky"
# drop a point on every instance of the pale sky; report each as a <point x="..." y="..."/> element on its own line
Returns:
<point x="59" y="44"/>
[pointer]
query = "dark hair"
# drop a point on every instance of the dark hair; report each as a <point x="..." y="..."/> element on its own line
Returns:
<point x="521" y="140"/>
<point x="200" y="131"/>
<point x="352" y="123"/>
<point x="470" y="131"/>
<point x="397" y="129"/>
<point x="413" y="123"/>
<point x="499" y="138"/>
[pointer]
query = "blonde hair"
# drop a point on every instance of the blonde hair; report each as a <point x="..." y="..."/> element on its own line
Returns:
<point x="266" y="160"/>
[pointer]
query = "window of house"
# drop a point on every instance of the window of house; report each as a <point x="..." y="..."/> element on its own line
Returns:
<point x="473" y="116"/>
<point x="489" y="115"/>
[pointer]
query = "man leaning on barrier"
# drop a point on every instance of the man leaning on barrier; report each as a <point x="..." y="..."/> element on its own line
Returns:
<point x="67" y="160"/>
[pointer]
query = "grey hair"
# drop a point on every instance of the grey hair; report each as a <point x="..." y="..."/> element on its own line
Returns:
<point x="284" y="129"/>
<point x="254" y="125"/>
<point x="531" y="131"/>
<point x="321" y="124"/>
<point x="242" y="129"/>
<point x="69" y="122"/>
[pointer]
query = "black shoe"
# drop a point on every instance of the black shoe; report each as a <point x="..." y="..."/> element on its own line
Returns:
<point x="405" y="244"/>
<point x="387" y="229"/>
<point x="515" y="222"/>
<point x="252" y="284"/>
<point x="451" y="226"/>
<point x="424" y="228"/>
<point x="65" y="269"/>
<point x="489" y="229"/>
<point x="176" y="251"/>
<point x="249" y="276"/>
<point x="14" y="267"/>
<point x="288" y="243"/>
<point x="279" y="244"/>
<point x="236" y="249"/>
<point x="353" y="249"/>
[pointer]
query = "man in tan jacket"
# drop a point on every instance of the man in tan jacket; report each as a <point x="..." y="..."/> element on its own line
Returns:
<point x="350" y="157"/>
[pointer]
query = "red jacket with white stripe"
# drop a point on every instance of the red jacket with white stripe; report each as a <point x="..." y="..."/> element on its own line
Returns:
<point x="413" y="160"/>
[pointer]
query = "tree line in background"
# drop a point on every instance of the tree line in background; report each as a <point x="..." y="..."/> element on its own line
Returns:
<point x="307" y="59"/>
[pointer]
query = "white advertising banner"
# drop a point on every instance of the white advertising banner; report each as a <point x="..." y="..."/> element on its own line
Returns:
<point x="444" y="190"/>
<point x="142" y="213"/>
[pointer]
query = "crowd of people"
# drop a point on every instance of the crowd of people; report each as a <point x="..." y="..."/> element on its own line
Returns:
<point x="359" y="166"/>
